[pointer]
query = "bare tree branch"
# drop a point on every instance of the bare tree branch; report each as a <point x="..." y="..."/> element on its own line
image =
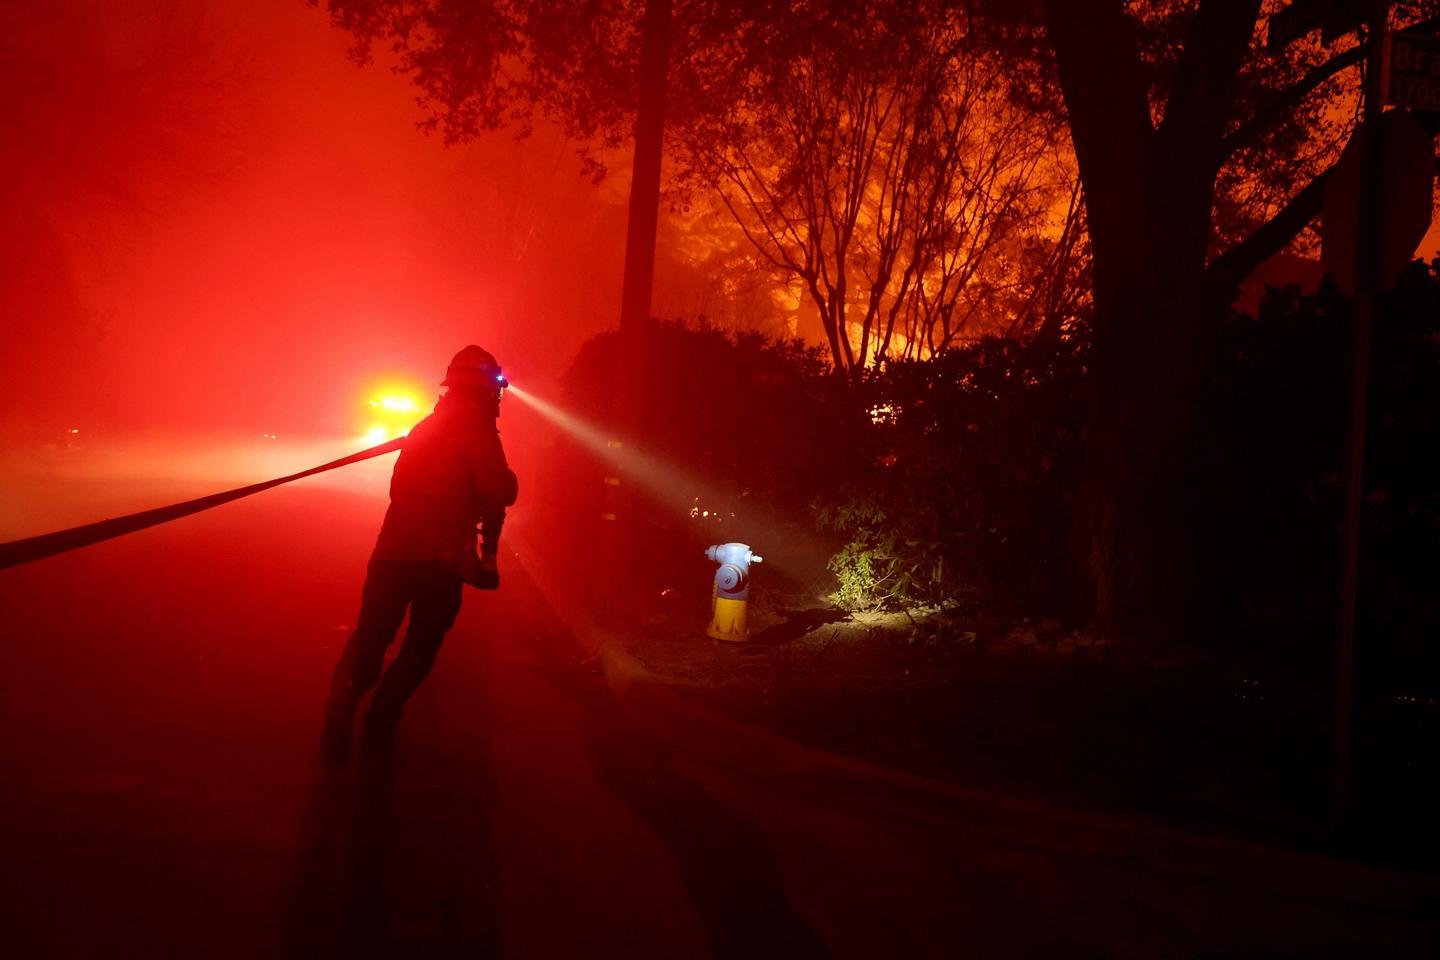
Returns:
<point x="1228" y="270"/>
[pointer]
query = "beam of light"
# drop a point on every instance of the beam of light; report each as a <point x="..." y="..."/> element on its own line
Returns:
<point x="671" y="484"/>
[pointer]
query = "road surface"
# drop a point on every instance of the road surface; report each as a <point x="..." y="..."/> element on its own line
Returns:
<point x="161" y="795"/>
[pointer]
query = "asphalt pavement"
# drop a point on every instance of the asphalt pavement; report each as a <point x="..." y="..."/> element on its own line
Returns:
<point x="161" y="795"/>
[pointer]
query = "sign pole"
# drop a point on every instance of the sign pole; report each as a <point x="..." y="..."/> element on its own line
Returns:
<point x="1367" y="271"/>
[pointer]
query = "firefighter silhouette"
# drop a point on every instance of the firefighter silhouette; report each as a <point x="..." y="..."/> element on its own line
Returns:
<point x="451" y="477"/>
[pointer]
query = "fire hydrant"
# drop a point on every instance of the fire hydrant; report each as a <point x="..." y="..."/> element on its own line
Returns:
<point x="732" y="590"/>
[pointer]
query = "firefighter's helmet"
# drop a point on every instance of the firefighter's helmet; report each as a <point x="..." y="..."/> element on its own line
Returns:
<point x="474" y="367"/>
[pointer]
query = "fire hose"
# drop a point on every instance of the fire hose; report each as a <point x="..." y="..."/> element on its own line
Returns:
<point x="30" y="549"/>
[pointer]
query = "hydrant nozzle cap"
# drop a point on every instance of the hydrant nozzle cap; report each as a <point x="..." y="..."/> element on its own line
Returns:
<point x="736" y="553"/>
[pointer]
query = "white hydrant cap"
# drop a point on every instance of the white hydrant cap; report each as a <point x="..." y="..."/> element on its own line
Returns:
<point x="736" y="553"/>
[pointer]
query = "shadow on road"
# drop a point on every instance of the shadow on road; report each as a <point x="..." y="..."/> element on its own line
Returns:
<point x="396" y="860"/>
<point x="726" y="860"/>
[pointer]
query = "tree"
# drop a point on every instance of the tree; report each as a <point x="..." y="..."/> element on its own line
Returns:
<point x="886" y="167"/>
<point x="1175" y="111"/>
<point x="481" y="65"/>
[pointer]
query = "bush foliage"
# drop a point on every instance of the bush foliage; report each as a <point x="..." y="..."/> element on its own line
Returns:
<point x="1270" y="462"/>
<point x="969" y="465"/>
<point x="758" y="417"/>
<point x="921" y="482"/>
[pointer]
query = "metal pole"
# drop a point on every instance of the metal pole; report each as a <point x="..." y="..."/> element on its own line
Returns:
<point x="1367" y="271"/>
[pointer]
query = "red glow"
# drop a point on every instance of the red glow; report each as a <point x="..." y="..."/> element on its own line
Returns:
<point x="221" y="218"/>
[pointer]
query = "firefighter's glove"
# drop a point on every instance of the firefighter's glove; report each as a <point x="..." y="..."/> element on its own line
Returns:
<point x="486" y="574"/>
<point x="480" y="572"/>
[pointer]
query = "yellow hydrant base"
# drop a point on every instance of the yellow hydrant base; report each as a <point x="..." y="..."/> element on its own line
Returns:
<point x="728" y="621"/>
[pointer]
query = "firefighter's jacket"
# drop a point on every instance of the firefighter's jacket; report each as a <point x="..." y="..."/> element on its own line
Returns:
<point x="451" y="474"/>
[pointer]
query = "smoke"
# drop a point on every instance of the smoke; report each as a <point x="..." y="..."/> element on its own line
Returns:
<point x="57" y="486"/>
<point x="214" y="220"/>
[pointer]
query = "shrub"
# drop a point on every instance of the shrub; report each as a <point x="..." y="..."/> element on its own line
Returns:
<point x="970" y="464"/>
<point x="1271" y="462"/>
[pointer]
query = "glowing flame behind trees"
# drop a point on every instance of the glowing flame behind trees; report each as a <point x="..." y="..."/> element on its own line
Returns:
<point x="886" y="167"/>
<point x="873" y="154"/>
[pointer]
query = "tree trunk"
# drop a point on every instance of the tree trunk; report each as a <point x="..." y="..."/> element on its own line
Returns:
<point x="1149" y="192"/>
<point x="1151" y="350"/>
<point x="1133" y="508"/>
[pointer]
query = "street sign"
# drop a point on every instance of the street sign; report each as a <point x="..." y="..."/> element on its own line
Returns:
<point x="1412" y="72"/>
<point x="1408" y="165"/>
